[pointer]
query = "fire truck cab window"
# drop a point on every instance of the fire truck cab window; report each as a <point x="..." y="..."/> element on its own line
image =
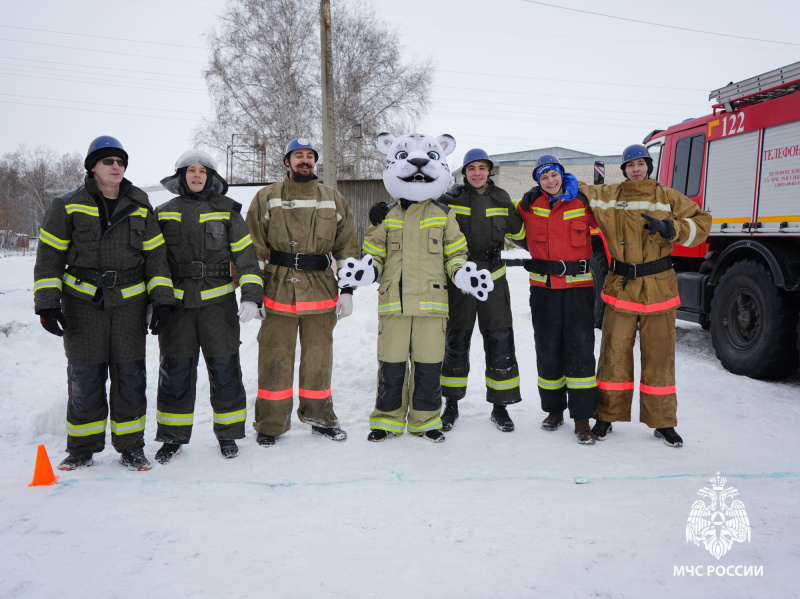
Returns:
<point x="688" y="165"/>
<point x="655" y="154"/>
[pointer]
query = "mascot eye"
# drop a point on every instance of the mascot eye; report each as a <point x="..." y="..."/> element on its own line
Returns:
<point x="433" y="155"/>
<point x="401" y="155"/>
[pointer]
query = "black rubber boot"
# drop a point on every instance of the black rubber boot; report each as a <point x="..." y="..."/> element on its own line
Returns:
<point x="228" y="448"/>
<point x="336" y="434"/>
<point x="450" y="414"/>
<point x="378" y="435"/>
<point x="601" y="429"/>
<point x="669" y="435"/>
<point x="434" y="436"/>
<point x="75" y="460"/>
<point x="501" y="418"/>
<point x="266" y="440"/>
<point x="167" y="452"/>
<point x="135" y="460"/>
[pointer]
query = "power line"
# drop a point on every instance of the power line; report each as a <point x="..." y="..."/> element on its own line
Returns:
<point x="599" y="14"/>
<point x="147" y="116"/>
<point x="99" y="104"/>
<point x="89" y="66"/>
<point x="51" y="71"/>
<point x="103" y="37"/>
<point x="94" y="50"/>
<point x="105" y="83"/>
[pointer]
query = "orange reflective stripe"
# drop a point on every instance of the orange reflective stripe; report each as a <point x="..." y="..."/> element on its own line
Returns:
<point x="273" y="395"/>
<point x="625" y="305"/>
<point x="300" y="306"/>
<point x="656" y="390"/>
<point x="614" y="386"/>
<point x="324" y="394"/>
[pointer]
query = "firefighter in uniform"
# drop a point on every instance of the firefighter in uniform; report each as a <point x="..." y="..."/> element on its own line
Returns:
<point x="641" y="221"/>
<point x="485" y="215"/>
<point x="101" y="256"/>
<point x="204" y="231"/>
<point x="300" y="222"/>
<point x="558" y="227"/>
<point x="414" y="250"/>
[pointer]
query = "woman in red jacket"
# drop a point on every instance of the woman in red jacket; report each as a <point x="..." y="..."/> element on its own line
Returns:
<point x="558" y="226"/>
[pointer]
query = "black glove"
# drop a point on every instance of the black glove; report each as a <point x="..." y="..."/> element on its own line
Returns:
<point x="50" y="319"/>
<point x="162" y="314"/>
<point x="378" y="212"/>
<point x="529" y="198"/>
<point x="663" y="227"/>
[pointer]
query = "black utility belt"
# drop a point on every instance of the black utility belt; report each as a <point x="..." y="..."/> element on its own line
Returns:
<point x="487" y="255"/>
<point x="634" y="271"/>
<point x="200" y="270"/>
<point x="108" y="278"/>
<point x="558" y="267"/>
<point x="300" y="261"/>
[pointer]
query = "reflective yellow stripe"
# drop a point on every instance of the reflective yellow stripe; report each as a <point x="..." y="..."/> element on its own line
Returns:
<point x="84" y="430"/>
<point x="452" y="264"/>
<point x="435" y="423"/>
<point x="393" y="223"/>
<point x="433" y="306"/>
<point x="132" y="290"/>
<point x="126" y="428"/>
<point x="241" y="244"/>
<point x="454" y="381"/>
<point x="574" y="213"/>
<point x="230" y="417"/>
<point x="156" y="281"/>
<point x="580" y="278"/>
<point x="542" y="212"/>
<point x="53" y="241"/>
<point x="83" y="286"/>
<point x="151" y="244"/>
<point x="216" y="292"/>
<point x="497" y="212"/>
<point x="502" y="385"/>
<point x="140" y="212"/>
<point x="371" y="249"/>
<point x="554" y="384"/>
<point x="581" y="383"/>
<point x="433" y="222"/>
<point x="45" y="283"/>
<point x="538" y="278"/>
<point x="456" y="245"/>
<point x="516" y="202"/>
<point x="393" y="307"/>
<point x="174" y="419"/>
<point x="499" y="273"/>
<point x="463" y="210"/>
<point x="90" y="210"/>
<point x="178" y="293"/>
<point x="254" y="279"/>
<point x="394" y="426"/>
<point x="519" y="235"/>
<point x="169" y="216"/>
<point x="214" y="216"/>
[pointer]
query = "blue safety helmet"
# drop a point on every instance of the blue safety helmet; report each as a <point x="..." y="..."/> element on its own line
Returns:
<point x="474" y="155"/>
<point x="103" y="147"/>
<point x="547" y="162"/>
<point x="300" y="143"/>
<point x="632" y="153"/>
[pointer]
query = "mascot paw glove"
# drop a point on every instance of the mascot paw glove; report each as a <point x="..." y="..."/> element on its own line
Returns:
<point x="247" y="311"/>
<point x="344" y="305"/>
<point x="162" y="314"/>
<point x="356" y="273"/>
<point x="473" y="281"/>
<point x="50" y="319"/>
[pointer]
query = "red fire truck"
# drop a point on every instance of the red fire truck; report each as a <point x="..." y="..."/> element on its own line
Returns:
<point x="741" y="163"/>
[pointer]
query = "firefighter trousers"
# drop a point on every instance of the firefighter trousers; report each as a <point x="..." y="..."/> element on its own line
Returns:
<point x="494" y="323"/>
<point x="277" y="341"/>
<point x="658" y="402"/>
<point x="563" y="332"/>
<point x="215" y="330"/>
<point x="100" y="343"/>
<point x="406" y="393"/>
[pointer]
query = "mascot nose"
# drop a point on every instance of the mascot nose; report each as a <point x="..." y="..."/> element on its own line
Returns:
<point x="419" y="162"/>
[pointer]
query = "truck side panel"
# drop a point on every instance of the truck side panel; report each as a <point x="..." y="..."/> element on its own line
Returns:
<point x="779" y="197"/>
<point x="731" y="181"/>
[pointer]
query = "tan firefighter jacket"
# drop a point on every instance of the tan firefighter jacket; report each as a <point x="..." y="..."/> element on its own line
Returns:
<point x="72" y="237"/>
<point x="617" y="210"/>
<point x="203" y="232"/>
<point x="415" y="250"/>
<point x="307" y="218"/>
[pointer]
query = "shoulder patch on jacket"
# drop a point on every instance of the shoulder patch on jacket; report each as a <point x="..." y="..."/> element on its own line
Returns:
<point x="445" y="208"/>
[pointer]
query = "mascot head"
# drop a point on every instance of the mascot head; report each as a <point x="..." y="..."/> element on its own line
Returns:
<point x="416" y="168"/>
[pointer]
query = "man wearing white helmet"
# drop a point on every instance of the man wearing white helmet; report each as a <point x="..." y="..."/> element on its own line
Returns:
<point x="296" y="226"/>
<point x="204" y="233"/>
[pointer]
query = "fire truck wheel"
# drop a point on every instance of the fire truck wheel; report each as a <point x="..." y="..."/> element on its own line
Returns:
<point x="754" y="324"/>
<point x="599" y="266"/>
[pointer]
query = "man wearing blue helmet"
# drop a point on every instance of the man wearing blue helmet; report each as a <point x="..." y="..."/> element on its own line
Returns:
<point x="296" y="226"/>
<point x="641" y="221"/>
<point x="101" y="258"/>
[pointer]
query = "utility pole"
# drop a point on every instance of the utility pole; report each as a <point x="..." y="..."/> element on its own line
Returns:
<point x="326" y="62"/>
<point x="358" y="151"/>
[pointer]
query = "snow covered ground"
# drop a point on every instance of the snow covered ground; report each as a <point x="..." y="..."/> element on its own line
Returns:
<point x="486" y="514"/>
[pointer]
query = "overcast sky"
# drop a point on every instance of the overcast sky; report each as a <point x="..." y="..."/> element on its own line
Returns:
<point x="510" y="74"/>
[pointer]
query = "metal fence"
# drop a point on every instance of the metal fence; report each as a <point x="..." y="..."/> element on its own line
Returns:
<point x="361" y="194"/>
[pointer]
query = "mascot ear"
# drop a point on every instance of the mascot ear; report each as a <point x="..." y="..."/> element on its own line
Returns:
<point x="447" y="142"/>
<point x="384" y="141"/>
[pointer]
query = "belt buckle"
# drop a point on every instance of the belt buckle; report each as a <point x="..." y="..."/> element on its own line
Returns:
<point x="628" y="276"/>
<point x="103" y="279"/>
<point x="565" y="268"/>
<point x="297" y="260"/>
<point x="202" y="270"/>
<point x="584" y="266"/>
<point x="498" y="255"/>
<point x="292" y="280"/>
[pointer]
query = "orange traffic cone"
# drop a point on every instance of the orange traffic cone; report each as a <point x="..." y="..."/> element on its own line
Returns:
<point x="43" y="473"/>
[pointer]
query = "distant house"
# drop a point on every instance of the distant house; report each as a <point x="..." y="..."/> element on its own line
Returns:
<point x="513" y="171"/>
<point x="10" y="240"/>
